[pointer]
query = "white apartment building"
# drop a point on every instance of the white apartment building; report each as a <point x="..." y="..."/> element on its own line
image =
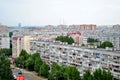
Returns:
<point x="5" y="42"/>
<point x="19" y="43"/>
<point x="82" y="58"/>
<point x="16" y="46"/>
<point x="4" y="37"/>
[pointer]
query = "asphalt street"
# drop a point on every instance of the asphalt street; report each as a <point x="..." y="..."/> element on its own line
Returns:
<point x="26" y="75"/>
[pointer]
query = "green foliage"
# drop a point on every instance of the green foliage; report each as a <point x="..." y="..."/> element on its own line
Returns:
<point x="87" y="76"/>
<point x="100" y="74"/>
<point x="21" y="60"/>
<point x="65" y="39"/>
<point x="92" y="40"/>
<point x="44" y="70"/>
<point x="106" y="44"/>
<point x="83" y="45"/>
<point x="38" y="63"/>
<point x="7" y="52"/>
<point x="63" y="73"/>
<point x="30" y="64"/>
<point x="56" y="72"/>
<point x="72" y="73"/>
<point x="24" y="54"/>
<point x="5" y="70"/>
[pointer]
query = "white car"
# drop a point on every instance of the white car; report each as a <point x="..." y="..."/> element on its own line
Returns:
<point x="14" y="77"/>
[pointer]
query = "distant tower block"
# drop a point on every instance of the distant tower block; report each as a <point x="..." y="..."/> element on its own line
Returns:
<point x="19" y="25"/>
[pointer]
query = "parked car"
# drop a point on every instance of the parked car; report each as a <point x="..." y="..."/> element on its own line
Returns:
<point x="14" y="77"/>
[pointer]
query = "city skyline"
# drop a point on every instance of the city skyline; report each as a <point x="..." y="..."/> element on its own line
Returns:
<point x="54" y="12"/>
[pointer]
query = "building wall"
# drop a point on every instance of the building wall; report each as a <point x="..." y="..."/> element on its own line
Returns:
<point x="82" y="58"/>
<point x="87" y="27"/>
<point x="5" y="42"/>
<point x="16" y="46"/>
<point x="27" y="43"/>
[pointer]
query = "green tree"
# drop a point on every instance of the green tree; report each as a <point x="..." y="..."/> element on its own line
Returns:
<point x="44" y="70"/>
<point x="38" y="63"/>
<point x="24" y="54"/>
<point x="29" y="64"/>
<point x="7" y="52"/>
<point x="72" y="73"/>
<point x="21" y="60"/>
<point x="100" y="74"/>
<point x="65" y="39"/>
<point x="106" y="44"/>
<point x="5" y="70"/>
<point x="87" y="76"/>
<point x="56" y="72"/>
<point x="92" y="40"/>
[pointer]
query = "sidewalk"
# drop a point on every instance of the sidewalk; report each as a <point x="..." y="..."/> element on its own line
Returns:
<point x="34" y="75"/>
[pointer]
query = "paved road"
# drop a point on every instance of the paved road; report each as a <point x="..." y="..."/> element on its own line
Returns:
<point x="27" y="76"/>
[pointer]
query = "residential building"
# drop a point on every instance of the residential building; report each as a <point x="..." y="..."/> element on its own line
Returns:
<point x="82" y="58"/>
<point x="87" y="27"/>
<point x="16" y="46"/>
<point x="5" y="42"/>
<point x="19" y="43"/>
<point x="4" y="37"/>
<point x="78" y="37"/>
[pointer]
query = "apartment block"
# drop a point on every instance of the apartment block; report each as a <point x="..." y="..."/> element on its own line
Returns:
<point x="82" y="58"/>
<point x="19" y="43"/>
<point x="16" y="46"/>
<point x="4" y="37"/>
<point x="87" y="27"/>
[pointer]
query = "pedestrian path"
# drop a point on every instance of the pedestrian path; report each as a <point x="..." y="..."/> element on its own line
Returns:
<point x="34" y="75"/>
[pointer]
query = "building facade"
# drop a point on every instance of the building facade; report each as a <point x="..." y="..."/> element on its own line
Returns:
<point x="87" y="27"/>
<point x="82" y="58"/>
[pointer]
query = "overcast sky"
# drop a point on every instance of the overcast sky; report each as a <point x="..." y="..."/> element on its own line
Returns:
<point x="54" y="12"/>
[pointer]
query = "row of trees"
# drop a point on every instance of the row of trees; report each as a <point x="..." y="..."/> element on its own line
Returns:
<point x="99" y="74"/>
<point x="32" y="63"/>
<point x="56" y="72"/>
<point x="92" y="40"/>
<point x="105" y="44"/>
<point x="5" y="70"/>
<point x="65" y="39"/>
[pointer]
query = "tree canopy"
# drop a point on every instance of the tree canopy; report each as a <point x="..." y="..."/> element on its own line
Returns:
<point x="63" y="73"/>
<point x="7" y="52"/>
<point x="70" y="40"/>
<point x="92" y="40"/>
<point x="106" y="44"/>
<point x="98" y="74"/>
<point x="5" y="70"/>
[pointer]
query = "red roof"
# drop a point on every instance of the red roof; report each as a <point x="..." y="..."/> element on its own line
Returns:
<point x="73" y="33"/>
<point x="15" y="38"/>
